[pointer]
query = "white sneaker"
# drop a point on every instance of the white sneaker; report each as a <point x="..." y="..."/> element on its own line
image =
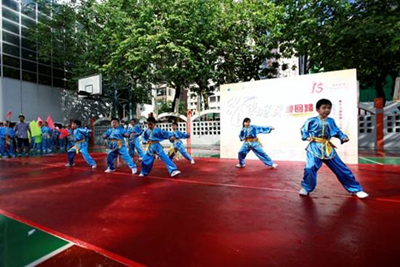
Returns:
<point x="175" y="173"/>
<point x="94" y="166"/>
<point x="361" y="194"/>
<point x="134" y="171"/>
<point x="69" y="165"/>
<point x="141" y="175"/>
<point x="303" y="192"/>
<point x="192" y="161"/>
<point x="240" y="166"/>
<point x="109" y="170"/>
<point x="274" y="166"/>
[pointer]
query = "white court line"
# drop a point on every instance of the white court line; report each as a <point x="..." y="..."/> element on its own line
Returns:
<point x="373" y="161"/>
<point x="50" y="255"/>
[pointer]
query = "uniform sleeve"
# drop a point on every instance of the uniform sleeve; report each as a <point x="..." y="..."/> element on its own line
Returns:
<point x="182" y="135"/>
<point x="336" y="132"/>
<point x="305" y="130"/>
<point x="165" y="134"/>
<point x="107" y="133"/>
<point x="124" y="132"/>
<point x="145" y="137"/>
<point x="11" y="133"/>
<point x="137" y="131"/>
<point x="241" y="135"/>
<point x="261" y="130"/>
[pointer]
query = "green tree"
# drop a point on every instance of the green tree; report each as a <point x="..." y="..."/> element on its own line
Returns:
<point x="343" y="34"/>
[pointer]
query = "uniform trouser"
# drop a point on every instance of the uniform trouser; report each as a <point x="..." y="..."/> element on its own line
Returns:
<point x="62" y="144"/>
<point x="32" y="146"/>
<point x="10" y="149"/>
<point x="3" y="147"/>
<point x="178" y="145"/>
<point x="135" y="144"/>
<point x="83" y="149"/>
<point x="113" y="155"/>
<point x="148" y="159"/>
<point x="342" y="172"/>
<point x="46" y="142"/>
<point x="257" y="149"/>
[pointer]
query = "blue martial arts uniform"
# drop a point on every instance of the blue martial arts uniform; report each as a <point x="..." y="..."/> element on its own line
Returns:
<point x="178" y="145"/>
<point x="251" y="142"/>
<point x="8" y="142"/>
<point x="134" y="142"/>
<point x="116" y="144"/>
<point x="321" y="150"/>
<point x="3" y="141"/>
<point x="70" y="139"/>
<point x="46" y="139"/>
<point x="79" y="144"/>
<point x="153" y="139"/>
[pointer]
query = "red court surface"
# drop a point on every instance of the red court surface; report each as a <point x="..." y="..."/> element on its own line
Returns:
<point x="212" y="215"/>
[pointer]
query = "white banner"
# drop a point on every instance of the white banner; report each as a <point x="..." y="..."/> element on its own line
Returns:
<point x="286" y="104"/>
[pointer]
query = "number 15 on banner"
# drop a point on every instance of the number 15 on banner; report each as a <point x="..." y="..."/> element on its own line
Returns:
<point x="317" y="88"/>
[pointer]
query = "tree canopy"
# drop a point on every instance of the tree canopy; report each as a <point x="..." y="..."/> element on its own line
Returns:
<point x="199" y="44"/>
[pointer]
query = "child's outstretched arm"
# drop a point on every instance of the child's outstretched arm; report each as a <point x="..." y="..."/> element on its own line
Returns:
<point x="305" y="131"/>
<point x="145" y="137"/>
<point x="241" y="135"/>
<point x="266" y="130"/>
<point x="336" y="132"/>
<point x="107" y="133"/>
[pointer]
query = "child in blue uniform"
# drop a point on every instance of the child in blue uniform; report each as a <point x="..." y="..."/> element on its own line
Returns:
<point x="2" y="140"/>
<point x="178" y="145"/>
<point x="46" y="138"/>
<point x="9" y="142"/>
<point x="153" y="136"/>
<point x="135" y="132"/>
<point x="318" y="131"/>
<point x="249" y="136"/>
<point x="116" y="143"/>
<point x="79" y="143"/>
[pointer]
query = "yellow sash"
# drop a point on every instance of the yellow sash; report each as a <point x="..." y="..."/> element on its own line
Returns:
<point x="76" y="146"/>
<point x="253" y="140"/>
<point x="327" y="143"/>
<point x="119" y="142"/>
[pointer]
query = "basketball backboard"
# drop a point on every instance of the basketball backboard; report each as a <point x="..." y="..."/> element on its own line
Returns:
<point x="90" y="85"/>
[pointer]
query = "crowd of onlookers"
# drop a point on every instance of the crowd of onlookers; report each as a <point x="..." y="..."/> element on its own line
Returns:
<point x="37" y="137"/>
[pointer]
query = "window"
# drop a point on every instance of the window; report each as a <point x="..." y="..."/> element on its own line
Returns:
<point x="43" y="19"/>
<point x="43" y="7"/>
<point x="44" y="80"/>
<point x="11" y="61"/>
<point x="44" y="70"/>
<point x="212" y="99"/>
<point x="27" y="22"/>
<point x="27" y="54"/>
<point x="58" y="73"/>
<point x="28" y="44"/>
<point x="219" y="99"/>
<point x="58" y="83"/>
<point x="161" y="92"/>
<point x="27" y="65"/>
<point x="10" y="15"/>
<point x="11" y="50"/>
<point x="29" y="76"/>
<point x="43" y="60"/>
<point x="11" y="73"/>
<point x="11" y="27"/>
<point x="11" y="4"/>
<point x="11" y="38"/>
<point x="28" y="11"/>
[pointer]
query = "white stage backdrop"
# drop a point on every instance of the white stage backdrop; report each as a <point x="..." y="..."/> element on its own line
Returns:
<point x="286" y="104"/>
